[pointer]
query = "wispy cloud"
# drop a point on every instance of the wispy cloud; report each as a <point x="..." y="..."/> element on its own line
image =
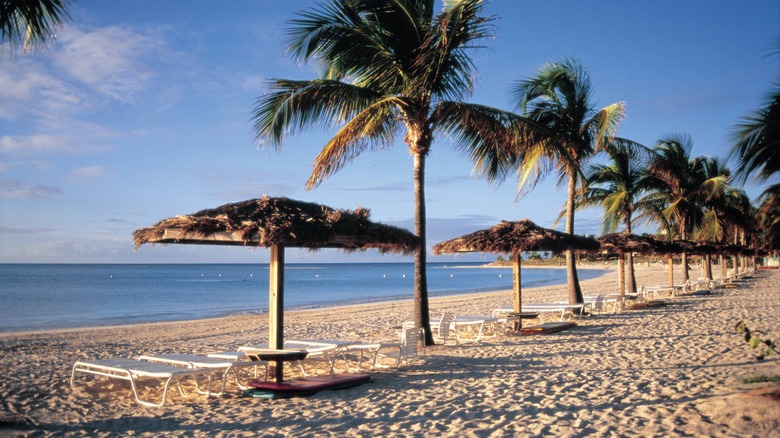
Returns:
<point x="45" y="144"/>
<point x="10" y="189"/>
<point x="112" y="61"/>
<point x="87" y="173"/>
<point x="20" y="230"/>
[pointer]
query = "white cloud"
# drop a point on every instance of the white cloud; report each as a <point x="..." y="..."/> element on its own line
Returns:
<point x="10" y="189"/>
<point x="31" y="89"/>
<point x="110" y="60"/>
<point x="35" y="145"/>
<point x="88" y="172"/>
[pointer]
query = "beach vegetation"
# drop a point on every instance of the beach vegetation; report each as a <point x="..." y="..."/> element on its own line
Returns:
<point x="560" y="98"/>
<point x="384" y="68"/>
<point x="29" y="24"/>
<point x="761" y="347"/>
<point x="617" y="188"/>
<point x="680" y="188"/>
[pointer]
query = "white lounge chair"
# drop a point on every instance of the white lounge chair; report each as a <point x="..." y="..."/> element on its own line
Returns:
<point x="442" y="327"/>
<point x="406" y="349"/>
<point x="136" y="371"/>
<point x="471" y="328"/>
<point x="328" y="350"/>
<point x="225" y="367"/>
<point x="563" y="309"/>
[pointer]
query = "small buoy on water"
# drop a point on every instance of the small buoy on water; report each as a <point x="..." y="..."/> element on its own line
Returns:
<point x="404" y="276"/>
<point x="452" y="275"/>
<point x="384" y="276"/>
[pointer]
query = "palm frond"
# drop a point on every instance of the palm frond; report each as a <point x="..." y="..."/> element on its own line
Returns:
<point x="605" y="123"/>
<point x="292" y="106"/>
<point x="29" y="24"/>
<point x="373" y="128"/>
<point x="757" y="140"/>
<point x="494" y="139"/>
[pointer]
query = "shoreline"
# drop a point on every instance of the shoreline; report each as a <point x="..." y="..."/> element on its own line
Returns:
<point x="255" y="314"/>
<point x="672" y="370"/>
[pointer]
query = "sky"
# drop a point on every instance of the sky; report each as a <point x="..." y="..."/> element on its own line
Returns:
<point x="139" y="111"/>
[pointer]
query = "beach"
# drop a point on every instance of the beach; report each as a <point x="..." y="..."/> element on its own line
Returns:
<point x="674" y="370"/>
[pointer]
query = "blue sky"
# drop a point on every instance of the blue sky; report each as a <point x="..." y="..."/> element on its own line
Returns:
<point x="140" y="111"/>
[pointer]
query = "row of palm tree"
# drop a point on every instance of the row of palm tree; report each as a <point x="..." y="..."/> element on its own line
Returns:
<point x="392" y="66"/>
<point x="690" y="198"/>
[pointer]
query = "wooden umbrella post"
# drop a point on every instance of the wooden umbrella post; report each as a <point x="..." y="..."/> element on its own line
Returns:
<point x="276" y="305"/>
<point x="517" y="260"/>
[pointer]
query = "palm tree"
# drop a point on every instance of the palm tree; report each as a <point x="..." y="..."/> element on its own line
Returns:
<point x="768" y="217"/>
<point x="617" y="187"/>
<point x="559" y="98"/>
<point x="385" y="66"/>
<point x="757" y="139"/>
<point x="680" y="187"/>
<point x="725" y="209"/>
<point x="30" y="23"/>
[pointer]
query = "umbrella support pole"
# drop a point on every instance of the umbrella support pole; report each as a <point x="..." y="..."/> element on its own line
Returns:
<point x="276" y="306"/>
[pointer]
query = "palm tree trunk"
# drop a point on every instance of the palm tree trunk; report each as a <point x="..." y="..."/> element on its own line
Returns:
<point x="622" y="275"/>
<point x="572" y="283"/>
<point x="421" y="310"/>
<point x="671" y="270"/>
<point x="630" y="278"/>
<point x="684" y="257"/>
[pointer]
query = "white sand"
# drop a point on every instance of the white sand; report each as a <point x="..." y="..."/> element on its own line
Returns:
<point x="667" y="371"/>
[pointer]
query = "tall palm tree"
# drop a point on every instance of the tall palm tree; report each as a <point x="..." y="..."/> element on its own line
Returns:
<point x="724" y="208"/>
<point x="617" y="187"/>
<point x="680" y="186"/>
<point x="560" y="99"/>
<point x="30" y="23"/>
<point x="386" y="66"/>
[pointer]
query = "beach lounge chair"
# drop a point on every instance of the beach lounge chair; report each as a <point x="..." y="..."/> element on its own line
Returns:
<point x="565" y="310"/>
<point x="471" y="328"/>
<point x="406" y="349"/>
<point x="441" y="328"/>
<point x="327" y="350"/>
<point x="136" y="371"/>
<point x="223" y="366"/>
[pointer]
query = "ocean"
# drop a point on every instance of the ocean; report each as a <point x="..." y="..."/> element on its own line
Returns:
<point x="57" y="296"/>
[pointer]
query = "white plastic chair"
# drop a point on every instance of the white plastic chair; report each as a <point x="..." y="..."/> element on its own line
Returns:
<point x="407" y="348"/>
<point x="443" y="326"/>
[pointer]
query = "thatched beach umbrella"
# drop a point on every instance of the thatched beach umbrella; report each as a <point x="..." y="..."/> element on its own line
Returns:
<point x="277" y="223"/>
<point x="623" y="243"/>
<point x="513" y="238"/>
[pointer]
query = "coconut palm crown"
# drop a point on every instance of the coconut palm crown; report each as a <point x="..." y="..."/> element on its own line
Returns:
<point x="385" y="67"/>
<point x="681" y="188"/>
<point x="616" y="187"/>
<point x="560" y="99"/>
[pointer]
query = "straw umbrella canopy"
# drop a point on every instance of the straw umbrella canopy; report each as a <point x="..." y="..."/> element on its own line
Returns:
<point x="513" y="237"/>
<point x="625" y="242"/>
<point x="277" y="223"/>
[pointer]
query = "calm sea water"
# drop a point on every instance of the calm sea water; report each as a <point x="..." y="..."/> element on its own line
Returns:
<point x="36" y="297"/>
